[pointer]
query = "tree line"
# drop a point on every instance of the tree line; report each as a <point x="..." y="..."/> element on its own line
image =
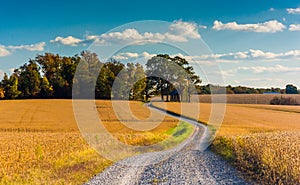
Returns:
<point x="52" y="76"/>
<point x="207" y="89"/>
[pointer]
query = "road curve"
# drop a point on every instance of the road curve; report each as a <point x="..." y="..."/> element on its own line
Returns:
<point x="186" y="163"/>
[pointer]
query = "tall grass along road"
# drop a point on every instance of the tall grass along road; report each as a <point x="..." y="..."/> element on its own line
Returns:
<point x="187" y="163"/>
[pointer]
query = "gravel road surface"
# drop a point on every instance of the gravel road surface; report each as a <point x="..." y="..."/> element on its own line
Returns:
<point x="187" y="163"/>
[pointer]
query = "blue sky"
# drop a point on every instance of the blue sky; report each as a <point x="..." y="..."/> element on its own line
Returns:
<point x="256" y="43"/>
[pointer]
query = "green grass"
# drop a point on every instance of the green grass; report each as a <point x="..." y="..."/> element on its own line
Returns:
<point x="178" y="134"/>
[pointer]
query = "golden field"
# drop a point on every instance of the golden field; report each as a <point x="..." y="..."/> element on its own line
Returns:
<point x="41" y="144"/>
<point x="244" y="98"/>
<point x="261" y="140"/>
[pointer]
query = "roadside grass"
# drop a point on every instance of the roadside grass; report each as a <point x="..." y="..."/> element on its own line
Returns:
<point x="262" y="141"/>
<point x="41" y="144"/>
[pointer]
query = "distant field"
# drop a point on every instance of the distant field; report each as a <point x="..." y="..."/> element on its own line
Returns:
<point x="245" y="119"/>
<point x="41" y="144"/>
<point x="244" y="98"/>
<point x="261" y="140"/>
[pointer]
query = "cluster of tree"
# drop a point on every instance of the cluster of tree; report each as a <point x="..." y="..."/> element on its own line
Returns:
<point x="166" y="75"/>
<point x="206" y="89"/>
<point x="52" y="76"/>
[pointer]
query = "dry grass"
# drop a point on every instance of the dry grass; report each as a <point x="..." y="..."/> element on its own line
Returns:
<point x="261" y="140"/>
<point x="41" y="144"/>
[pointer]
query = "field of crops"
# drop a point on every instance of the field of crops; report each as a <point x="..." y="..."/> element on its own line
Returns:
<point x="261" y="140"/>
<point x="244" y="98"/>
<point x="41" y="144"/>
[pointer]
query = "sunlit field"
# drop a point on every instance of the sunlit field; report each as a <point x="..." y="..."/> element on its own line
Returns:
<point x="261" y="140"/>
<point x="247" y="98"/>
<point x="41" y="144"/>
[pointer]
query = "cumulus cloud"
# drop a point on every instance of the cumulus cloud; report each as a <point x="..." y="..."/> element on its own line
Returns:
<point x="126" y="56"/>
<point x="294" y="27"/>
<point x="293" y="10"/>
<point x="266" y="27"/>
<point x="69" y="40"/>
<point x="3" y="51"/>
<point x="178" y="31"/>
<point x="276" y="68"/>
<point x="184" y="29"/>
<point x="271" y="55"/>
<point x="32" y="47"/>
<point x="7" y="50"/>
<point x="232" y="57"/>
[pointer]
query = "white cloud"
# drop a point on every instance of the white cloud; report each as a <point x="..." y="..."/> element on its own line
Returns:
<point x="126" y="56"/>
<point x="70" y="40"/>
<point x="178" y="31"/>
<point x="228" y="73"/>
<point x="293" y="10"/>
<point x="202" y="26"/>
<point x="233" y="57"/>
<point x="7" y="50"/>
<point x="276" y="68"/>
<point x="266" y="27"/>
<point x="271" y="55"/>
<point x="261" y="54"/>
<point x="241" y="55"/>
<point x="3" y="51"/>
<point x="32" y="47"/>
<point x="184" y="29"/>
<point x="294" y="27"/>
<point x="147" y="55"/>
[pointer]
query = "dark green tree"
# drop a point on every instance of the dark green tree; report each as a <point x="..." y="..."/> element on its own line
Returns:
<point x="29" y="80"/>
<point x="167" y="73"/>
<point x="46" y="88"/>
<point x="10" y="86"/>
<point x="291" y="89"/>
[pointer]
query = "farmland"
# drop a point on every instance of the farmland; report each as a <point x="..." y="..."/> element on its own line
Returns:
<point x="245" y="98"/>
<point x="41" y="144"/>
<point x="260" y="140"/>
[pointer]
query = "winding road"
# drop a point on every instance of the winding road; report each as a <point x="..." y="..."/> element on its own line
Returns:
<point x="187" y="163"/>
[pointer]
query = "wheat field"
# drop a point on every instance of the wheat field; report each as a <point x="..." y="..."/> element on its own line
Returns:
<point x="263" y="141"/>
<point x="243" y="98"/>
<point x="40" y="142"/>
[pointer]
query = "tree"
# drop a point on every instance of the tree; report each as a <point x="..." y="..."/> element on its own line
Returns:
<point x="46" y="88"/>
<point x="166" y="74"/>
<point x="87" y="74"/>
<point x="67" y="71"/>
<point x="291" y="89"/>
<point x="107" y="77"/>
<point x="29" y="80"/>
<point x="10" y="86"/>
<point x="51" y="67"/>
<point x="104" y="83"/>
<point x="140" y="82"/>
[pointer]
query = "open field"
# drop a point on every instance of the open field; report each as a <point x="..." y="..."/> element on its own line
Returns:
<point x="245" y="98"/>
<point x="41" y="144"/>
<point x="261" y="140"/>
